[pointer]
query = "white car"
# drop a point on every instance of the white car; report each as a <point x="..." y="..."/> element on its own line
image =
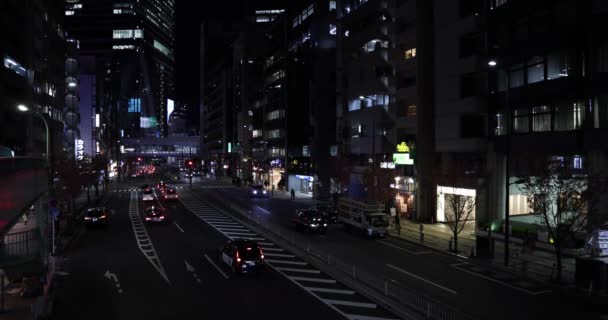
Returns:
<point x="148" y="195"/>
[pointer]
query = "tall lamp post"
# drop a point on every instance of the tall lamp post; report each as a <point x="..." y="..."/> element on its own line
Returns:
<point x="507" y="120"/>
<point x="49" y="160"/>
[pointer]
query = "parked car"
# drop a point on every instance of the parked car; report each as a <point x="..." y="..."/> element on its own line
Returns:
<point x="242" y="256"/>
<point x="310" y="220"/>
<point x="257" y="191"/>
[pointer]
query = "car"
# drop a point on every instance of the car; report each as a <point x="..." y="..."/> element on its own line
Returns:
<point x="330" y="212"/>
<point x="243" y="256"/>
<point x="170" y="194"/>
<point x="148" y="195"/>
<point x="161" y="185"/>
<point x="196" y="173"/>
<point x="154" y="214"/>
<point x="257" y="191"/>
<point x="96" y="216"/>
<point x="311" y="220"/>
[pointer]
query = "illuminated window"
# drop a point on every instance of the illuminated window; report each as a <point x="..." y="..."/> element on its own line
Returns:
<point x="128" y="34"/>
<point x="411" y="110"/>
<point x="69" y="12"/>
<point x="410" y="53"/>
<point x="123" y="47"/>
<point x="541" y="118"/>
<point x="13" y="65"/>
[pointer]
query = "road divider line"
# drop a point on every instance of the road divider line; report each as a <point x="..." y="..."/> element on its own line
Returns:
<point x="216" y="267"/>
<point x="299" y="270"/>
<point x="456" y="266"/>
<point x="273" y="249"/>
<point x="404" y="249"/>
<point x="423" y="279"/>
<point x="351" y="303"/>
<point x="180" y="228"/>
<point x="339" y="291"/>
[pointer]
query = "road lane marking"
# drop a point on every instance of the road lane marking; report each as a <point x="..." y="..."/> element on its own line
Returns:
<point x="240" y="234"/>
<point x="297" y="263"/>
<point x="228" y="226"/>
<point x="279" y="255"/>
<point x="142" y="238"/>
<point x="266" y="244"/>
<point x="422" y="279"/>
<point x="114" y="278"/>
<point x="351" y="304"/>
<point x="263" y="210"/>
<point x="190" y="269"/>
<point x="403" y="249"/>
<point x="273" y="249"/>
<point x="300" y="270"/>
<point x="216" y="267"/>
<point x="339" y="291"/>
<point x="534" y="293"/>
<point x="358" y="317"/>
<point x="180" y="228"/>
<point x="319" y="280"/>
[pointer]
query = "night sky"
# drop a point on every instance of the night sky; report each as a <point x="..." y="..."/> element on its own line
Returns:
<point x="189" y="15"/>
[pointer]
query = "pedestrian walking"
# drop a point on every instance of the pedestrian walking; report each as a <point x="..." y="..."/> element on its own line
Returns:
<point x="293" y="194"/>
<point x="398" y="224"/>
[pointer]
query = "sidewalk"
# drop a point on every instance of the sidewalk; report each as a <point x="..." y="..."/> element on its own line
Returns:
<point x="436" y="236"/>
<point x="21" y="307"/>
<point x="537" y="264"/>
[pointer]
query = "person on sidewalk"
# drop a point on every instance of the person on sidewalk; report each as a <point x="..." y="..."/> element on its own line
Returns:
<point x="293" y="194"/>
<point x="398" y="224"/>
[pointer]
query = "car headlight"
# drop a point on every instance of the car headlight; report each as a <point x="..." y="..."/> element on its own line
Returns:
<point x="255" y="192"/>
<point x="264" y="191"/>
<point x="325" y="224"/>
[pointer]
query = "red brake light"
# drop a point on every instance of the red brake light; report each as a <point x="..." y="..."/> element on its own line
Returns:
<point x="238" y="259"/>
<point x="261" y="253"/>
<point x="102" y="217"/>
<point x="248" y="248"/>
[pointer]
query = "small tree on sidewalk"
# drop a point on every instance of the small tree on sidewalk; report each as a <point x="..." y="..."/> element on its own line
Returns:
<point x="561" y="200"/>
<point x="458" y="210"/>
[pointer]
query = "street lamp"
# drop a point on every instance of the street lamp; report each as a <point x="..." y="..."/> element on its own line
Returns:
<point x="493" y="63"/>
<point x="49" y="160"/>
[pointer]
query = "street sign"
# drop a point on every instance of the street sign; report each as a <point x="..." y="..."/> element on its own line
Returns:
<point x="53" y="212"/>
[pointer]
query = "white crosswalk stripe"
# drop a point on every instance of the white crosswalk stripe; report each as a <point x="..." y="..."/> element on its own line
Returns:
<point x="339" y="297"/>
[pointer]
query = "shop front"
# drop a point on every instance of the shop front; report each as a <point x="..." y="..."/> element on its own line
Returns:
<point x="301" y="183"/>
<point x="446" y="208"/>
<point x="405" y="196"/>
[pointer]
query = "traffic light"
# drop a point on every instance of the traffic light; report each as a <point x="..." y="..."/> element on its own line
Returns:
<point x="138" y="159"/>
<point x="189" y="163"/>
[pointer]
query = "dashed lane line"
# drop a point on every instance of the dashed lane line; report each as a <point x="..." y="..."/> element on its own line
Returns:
<point x="422" y="279"/>
<point x="404" y="249"/>
<point x="143" y="239"/>
<point x="534" y="293"/>
<point x="327" y="290"/>
<point x="180" y="228"/>
<point x="217" y="267"/>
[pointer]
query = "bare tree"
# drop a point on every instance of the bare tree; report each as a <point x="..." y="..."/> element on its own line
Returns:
<point x="561" y="199"/>
<point x="458" y="209"/>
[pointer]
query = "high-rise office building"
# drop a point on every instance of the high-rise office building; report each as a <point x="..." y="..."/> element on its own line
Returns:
<point x="132" y="42"/>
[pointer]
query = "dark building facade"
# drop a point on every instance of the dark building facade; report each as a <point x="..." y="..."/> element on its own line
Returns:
<point x="547" y="95"/>
<point x="32" y="76"/>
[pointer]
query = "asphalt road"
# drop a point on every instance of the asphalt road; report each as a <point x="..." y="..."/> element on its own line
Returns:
<point x="460" y="283"/>
<point x="111" y="278"/>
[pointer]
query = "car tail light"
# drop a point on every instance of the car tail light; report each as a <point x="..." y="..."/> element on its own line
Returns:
<point x="261" y="253"/>
<point x="147" y="218"/>
<point x="102" y="217"/>
<point x="87" y="218"/>
<point x="238" y="259"/>
<point x="162" y="217"/>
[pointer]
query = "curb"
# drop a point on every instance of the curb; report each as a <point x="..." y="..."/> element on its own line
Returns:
<point x="404" y="312"/>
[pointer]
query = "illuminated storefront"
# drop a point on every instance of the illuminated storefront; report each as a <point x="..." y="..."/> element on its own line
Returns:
<point x="443" y="210"/>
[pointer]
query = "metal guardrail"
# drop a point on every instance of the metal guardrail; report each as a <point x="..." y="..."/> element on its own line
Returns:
<point x="425" y="305"/>
<point x="19" y="245"/>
